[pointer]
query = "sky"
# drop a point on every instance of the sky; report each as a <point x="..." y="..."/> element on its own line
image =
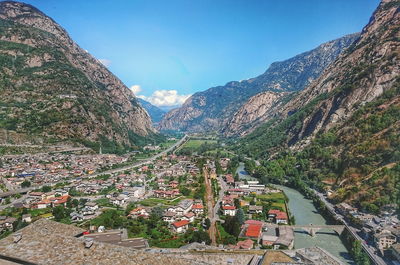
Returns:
<point x="166" y="50"/>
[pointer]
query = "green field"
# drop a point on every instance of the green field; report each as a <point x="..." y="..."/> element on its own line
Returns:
<point x="151" y="202"/>
<point x="196" y="143"/>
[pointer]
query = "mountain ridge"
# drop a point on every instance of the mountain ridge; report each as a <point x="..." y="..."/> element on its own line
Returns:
<point x="211" y="110"/>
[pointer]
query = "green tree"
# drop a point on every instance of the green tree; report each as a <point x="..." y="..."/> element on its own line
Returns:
<point x="201" y="236"/>
<point x="46" y="189"/>
<point x="185" y="191"/>
<point x="240" y="216"/>
<point x="157" y="212"/>
<point x="232" y="225"/>
<point x="207" y="223"/>
<point x="26" y="184"/>
<point x="58" y="213"/>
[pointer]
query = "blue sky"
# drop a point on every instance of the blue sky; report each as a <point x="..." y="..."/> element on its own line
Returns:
<point x="189" y="46"/>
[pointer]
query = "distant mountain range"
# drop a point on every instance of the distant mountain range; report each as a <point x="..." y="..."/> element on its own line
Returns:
<point x="52" y="90"/>
<point x="215" y="108"/>
<point x="155" y="112"/>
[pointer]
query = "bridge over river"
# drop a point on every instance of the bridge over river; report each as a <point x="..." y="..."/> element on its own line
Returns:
<point x="313" y="229"/>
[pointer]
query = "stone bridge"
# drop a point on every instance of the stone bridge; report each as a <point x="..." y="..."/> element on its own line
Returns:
<point x="313" y="229"/>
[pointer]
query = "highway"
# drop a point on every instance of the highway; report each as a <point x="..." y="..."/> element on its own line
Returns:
<point x="375" y="258"/>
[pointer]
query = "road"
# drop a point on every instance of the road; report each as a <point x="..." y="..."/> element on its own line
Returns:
<point x="224" y="188"/>
<point x="212" y="231"/>
<point x="375" y="258"/>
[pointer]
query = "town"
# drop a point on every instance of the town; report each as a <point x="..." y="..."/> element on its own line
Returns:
<point x="171" y="201"/>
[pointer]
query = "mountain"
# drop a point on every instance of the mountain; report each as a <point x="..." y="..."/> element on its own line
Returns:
<point x="155" y="113"/>
<point x="53" y="90"/>
<point x="212" y="109"/>
<point x="343" y="131"/>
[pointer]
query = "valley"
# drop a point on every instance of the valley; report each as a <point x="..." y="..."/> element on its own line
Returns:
<point x="298" y="165"/>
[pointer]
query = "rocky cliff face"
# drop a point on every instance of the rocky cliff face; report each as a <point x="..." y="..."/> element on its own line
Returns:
<point x="212" y="109"/>
<point x="369" y="67"/>
<point x="51" y="88"/>
<point x="252" y="113"/>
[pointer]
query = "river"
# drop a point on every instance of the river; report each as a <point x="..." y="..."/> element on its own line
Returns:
<point x="305" y="213"/>
<point x="243" y="175"/>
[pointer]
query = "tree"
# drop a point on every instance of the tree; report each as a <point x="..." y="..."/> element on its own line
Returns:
<point x="46" y="189"/>
<point x="236" y="201"/>
<point x="358" y="254"/>
<point x="185" y="191"/>
<point x="26" y="184"/>
<point x="58" y="213"/>
<point x="201" y="236"/>
<point x="240" y="216"/>
<point x="130" y="207"/>
<point x="229" y="240"/>
<point x="207" y="223"/>
<point x="157" y="212"/>
<point x="232" y="225"/>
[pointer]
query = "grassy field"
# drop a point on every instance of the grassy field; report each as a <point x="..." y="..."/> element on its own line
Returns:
<point x="151" y="202"/>
<point x="196" y="143"/>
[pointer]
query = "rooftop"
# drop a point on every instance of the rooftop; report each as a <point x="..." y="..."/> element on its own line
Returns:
<point x="49" y="242"/>
<point x="253" y="230"/>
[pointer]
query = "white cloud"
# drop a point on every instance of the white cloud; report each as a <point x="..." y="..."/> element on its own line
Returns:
<point x="136" y="89"/>
<point x="105" y="62"/>
<point x="165" y="98"/>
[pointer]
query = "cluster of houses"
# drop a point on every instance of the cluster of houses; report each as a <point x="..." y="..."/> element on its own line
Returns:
<point x="228" y="206"/>
<point x="181" y="215"/>
<point x="41" y="169"/>
<point x="266" y="235"/>
<point x="383" y="230"/>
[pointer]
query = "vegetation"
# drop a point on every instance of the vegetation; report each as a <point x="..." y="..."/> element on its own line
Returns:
<point x="358" y="159"/>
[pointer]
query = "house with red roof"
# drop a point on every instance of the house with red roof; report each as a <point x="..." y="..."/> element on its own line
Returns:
<point x="279" y="216"/>
<point x="189" y="216"/>
<point x="180" y="226"/>
<point x="245" y="244"/>
<point x="198" y="209"/>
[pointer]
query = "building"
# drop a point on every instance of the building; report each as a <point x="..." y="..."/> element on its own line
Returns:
<point x="229" y="210"/>
<point x="253" y="231"/>
<point x="384" y="239"/>
<point x="255" y="209"/>
<point x="27" y="218"/>
<point x="245" y="244"/>
<point x="198" y="209"/>
<point x="281" y="218"/>
<point x="189" y="216"/>
<point x="180" y="226"/>
<point x="278" y="216"/>
<point x="6" y="223"/>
